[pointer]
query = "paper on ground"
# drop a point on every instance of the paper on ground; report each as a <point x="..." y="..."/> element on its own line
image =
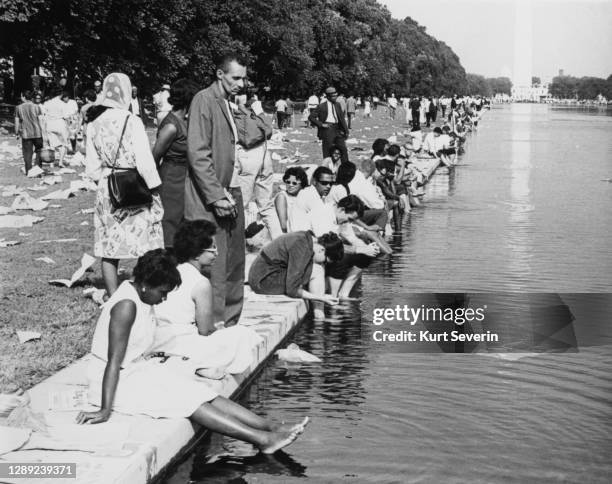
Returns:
<point x="18" y="221"/>
<point x="25" y="336"/>
<point x="66" y="171"/>
<point x="96" y="294"/>
<point x="59" y="195"/>
<point x="76" y="185"/>
<point x="26" y="202"/>
<point x="56" y="240"/>
<point x="86" y="262"/>
<point x="52" y="180"/>
<point x="9" y="243"/>
<point x="71" y="399"/>
<point x="48" y="260"/>
<point x="37" y="188"/>
<point x="35" y="171"/>
<point x="294" y="354"/>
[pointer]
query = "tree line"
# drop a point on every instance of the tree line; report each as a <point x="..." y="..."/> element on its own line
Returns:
<point x="293" y="46"/>
<point x="569" y="87"/>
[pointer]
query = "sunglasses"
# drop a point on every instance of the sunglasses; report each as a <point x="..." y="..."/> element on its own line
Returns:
<point x="292" y="183"/>
<point x="325" y="183"/>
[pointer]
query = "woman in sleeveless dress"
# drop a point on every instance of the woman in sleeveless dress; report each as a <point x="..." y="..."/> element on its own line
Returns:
<point x="170" y="155"/>
<point x="123" y="379"/>
<point x="185" y="324"/>
<point x="295" y="179"/>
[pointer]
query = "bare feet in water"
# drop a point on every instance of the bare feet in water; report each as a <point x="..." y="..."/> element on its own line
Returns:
<point x="285" y="427"/>
<point x="279" y="440"/>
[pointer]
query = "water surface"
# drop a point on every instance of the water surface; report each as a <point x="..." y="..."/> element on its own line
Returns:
<point x="526" y="212"/>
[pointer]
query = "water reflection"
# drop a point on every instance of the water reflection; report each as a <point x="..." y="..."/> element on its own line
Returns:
<point x="520" y="227"/>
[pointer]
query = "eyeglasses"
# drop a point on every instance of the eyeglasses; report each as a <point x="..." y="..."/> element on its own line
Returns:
<point x="293" y="183"/>
<point x="325" y="183"/>
<point x="212" y="250"/>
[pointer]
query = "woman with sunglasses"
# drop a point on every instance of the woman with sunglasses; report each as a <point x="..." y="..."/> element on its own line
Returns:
<point x="293" y="265"/>
<point x="295" y="179"/>
<point x="185" y="325"/>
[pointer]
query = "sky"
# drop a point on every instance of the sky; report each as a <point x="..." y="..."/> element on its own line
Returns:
<point x="573" y="35"/>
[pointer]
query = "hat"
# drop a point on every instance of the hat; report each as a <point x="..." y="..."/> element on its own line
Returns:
<point x="330" y="91"/>
<point x="166" y="86"/>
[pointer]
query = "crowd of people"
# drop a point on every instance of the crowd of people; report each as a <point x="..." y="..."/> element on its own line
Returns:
<point x="175" y="322"/>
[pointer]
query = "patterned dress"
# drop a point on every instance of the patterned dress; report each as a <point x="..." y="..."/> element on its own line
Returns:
<point x="122" y="233"/>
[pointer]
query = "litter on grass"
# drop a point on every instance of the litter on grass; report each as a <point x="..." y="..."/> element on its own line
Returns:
<point x="18" y="221"/>
<point x="86" y="262"/>
<point x="25" y="336"/>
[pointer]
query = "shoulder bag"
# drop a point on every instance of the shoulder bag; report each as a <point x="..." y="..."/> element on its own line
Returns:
<point x="126" y="188"/>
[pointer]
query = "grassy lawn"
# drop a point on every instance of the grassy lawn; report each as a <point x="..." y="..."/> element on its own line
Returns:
<point x="64" y="316"/>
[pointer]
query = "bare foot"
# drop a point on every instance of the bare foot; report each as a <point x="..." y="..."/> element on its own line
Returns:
<point x="278" y="440"/>
<point x="285" y="427"/>
<point x="211" y="373"/>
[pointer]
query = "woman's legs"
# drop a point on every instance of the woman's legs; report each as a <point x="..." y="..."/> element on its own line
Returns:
<point x="228" y="418"/>
<point x="110" y="275"/>
<point x="349" y="281"/>
<point x="316" y="286"/>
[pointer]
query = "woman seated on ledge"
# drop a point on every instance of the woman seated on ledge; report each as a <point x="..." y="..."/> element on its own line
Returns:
<point x="122" y="379"/>
<point x="294" y="261"/>
<point x="185" y="325"/>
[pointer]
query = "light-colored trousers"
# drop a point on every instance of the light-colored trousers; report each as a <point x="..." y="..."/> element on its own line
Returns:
<point x="257" y="182"/>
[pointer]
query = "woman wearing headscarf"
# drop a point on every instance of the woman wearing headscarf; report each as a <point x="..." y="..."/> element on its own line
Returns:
<point x="123" y="233"/>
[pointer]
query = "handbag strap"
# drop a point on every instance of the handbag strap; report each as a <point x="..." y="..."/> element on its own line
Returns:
<point x="119" y="145"/>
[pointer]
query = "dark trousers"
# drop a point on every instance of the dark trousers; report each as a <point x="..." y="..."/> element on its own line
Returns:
<point x="434" y="115"/>
<point x="172" y="192"/>
<point x="227" y="272"/>
<point x="443" y="110"/>
<point x="29" y="145"/>
<point x="349" y="117"/>
<point x="428" y="118"/>
<point x="416" y="124"/>
<point x="280" y="119"/>
<point x="332" y="136"/>
<point x="310" y="111"/>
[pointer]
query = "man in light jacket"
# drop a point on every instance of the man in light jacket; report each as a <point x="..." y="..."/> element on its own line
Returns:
<point x="212" y="190"/>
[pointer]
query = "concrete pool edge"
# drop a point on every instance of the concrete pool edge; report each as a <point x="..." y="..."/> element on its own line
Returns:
<point x="148" y="447"/>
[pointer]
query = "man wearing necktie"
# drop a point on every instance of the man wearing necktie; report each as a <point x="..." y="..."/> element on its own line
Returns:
<point x="329" y="118"/>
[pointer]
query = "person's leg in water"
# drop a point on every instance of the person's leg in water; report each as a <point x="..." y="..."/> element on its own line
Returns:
<point x="334" y="285"/>
<point x="228" y="418"/>
<point x="349" y="282"/>
<point x="397" y="218"/>
<point x="110" y="274"/>
<point x="316" y="286"/>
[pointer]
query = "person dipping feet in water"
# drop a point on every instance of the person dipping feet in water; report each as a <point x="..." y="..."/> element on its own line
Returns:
<point x="122" y="379"/>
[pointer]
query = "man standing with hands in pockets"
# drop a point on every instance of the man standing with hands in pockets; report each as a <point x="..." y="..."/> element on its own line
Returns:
<point x="212" y="190"/>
